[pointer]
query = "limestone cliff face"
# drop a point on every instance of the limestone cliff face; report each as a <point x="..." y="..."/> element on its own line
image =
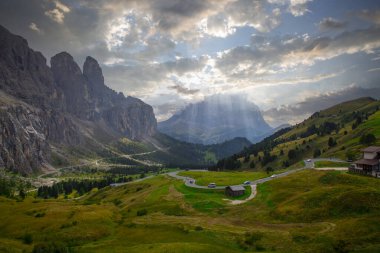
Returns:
<point x="25" y="134"/>
<point x="130" y="116"/>
<point x="42" y="106"/>
<point x="70" y="80"/>
<point x="24" y="73"/>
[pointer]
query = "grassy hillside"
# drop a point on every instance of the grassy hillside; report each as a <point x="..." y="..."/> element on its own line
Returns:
<point x="308" y="211"/>
<point x="334" y="132"/>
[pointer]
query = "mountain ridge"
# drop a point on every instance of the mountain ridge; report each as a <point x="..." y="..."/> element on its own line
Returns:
<point x="58" y="105"/>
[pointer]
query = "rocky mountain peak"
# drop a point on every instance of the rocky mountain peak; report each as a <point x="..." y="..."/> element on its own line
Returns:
<point x="24" y="72"/>
<point x="64" y="61"/>
<point x="93" y="72"/>
<point x="70" y="79"/>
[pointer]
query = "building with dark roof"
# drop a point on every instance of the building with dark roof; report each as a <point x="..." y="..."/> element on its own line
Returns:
<point x="234" y="191"/>
<point x="369" y="164"/>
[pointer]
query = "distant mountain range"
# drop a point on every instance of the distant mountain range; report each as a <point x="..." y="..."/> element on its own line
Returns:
<point x="216" y="119"/>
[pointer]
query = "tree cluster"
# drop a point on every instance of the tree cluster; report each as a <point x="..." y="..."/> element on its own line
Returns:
<point x="367" y="139"/>
<point x="81" y="186"/>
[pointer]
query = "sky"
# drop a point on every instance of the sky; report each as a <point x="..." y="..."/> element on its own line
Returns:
<point x="290" y="57"/>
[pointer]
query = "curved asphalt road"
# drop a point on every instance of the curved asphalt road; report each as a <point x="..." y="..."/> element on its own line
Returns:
<point x="309" y="164"/>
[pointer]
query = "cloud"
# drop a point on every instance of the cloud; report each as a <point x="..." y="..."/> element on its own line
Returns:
<point x="295" y="113"/>
<point x="331" y="23"/>
<point x="370" y="15"/>
<point x="252" y="13"/>
<point x="34" y="27"/>
<point x="58" y="13"/>
<point x="146" y="79"/>
<point x="268" y="56"/>
<point x="295" y="7"/>
<point x="183" y="90"/>
<point x="373" y="70"/>
<point x="299" y="7"/>
<point x="186" y="20"/>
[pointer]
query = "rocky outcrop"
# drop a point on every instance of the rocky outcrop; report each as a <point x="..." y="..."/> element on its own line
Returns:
<point x="60" y="106"/>
<point x="132" y="117"/>
<point x="24" y="73"/>
<point x="70" y="80"/>
<point x="25" y="134"/>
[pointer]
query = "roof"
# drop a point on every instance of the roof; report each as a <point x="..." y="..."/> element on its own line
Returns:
<point x="368" y="161"/>
<point x="371" y="149"/>
<point x="236" y="188"/>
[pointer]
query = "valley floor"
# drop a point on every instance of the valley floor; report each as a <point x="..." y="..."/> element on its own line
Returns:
<point x="307" y="211"/>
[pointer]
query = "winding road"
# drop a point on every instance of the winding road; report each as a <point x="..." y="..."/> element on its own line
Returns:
<point x="309" y="164"/>
<point x="191" y="182"/>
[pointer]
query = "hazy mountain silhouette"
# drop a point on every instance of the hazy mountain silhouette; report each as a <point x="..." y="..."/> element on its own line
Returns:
<point x="216" y="119"/>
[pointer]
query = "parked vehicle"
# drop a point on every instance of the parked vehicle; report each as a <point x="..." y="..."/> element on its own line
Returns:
<point x="308" y="160"/>
<point x="211" y="185"/>
<point x="247" y="182"/>
<point x="274" y="175"/>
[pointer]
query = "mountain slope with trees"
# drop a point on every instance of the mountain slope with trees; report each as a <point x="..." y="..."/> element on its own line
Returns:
<point x="340" y="131"/>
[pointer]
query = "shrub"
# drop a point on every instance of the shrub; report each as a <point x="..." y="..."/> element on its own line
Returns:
<point x="292" y="154"/>
<point x="198" y="228"/>
<point x="269" y="169"/>
<point x="252" y="238"/>
<point x="142" y="212"/>
<point x="48" y="247"/>
<point x="285" y="163"/>
<point x="27" y="238"/>
<point x="117" y="202"/>
<point x="39" y="215"/>
<point x="331" y="142"/>
<point x="367" y="139"/>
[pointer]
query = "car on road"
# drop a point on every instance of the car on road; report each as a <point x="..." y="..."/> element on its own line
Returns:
<point x="274" y="175"/>
<point x="308" y="160"/>
<point x="211" y="185"/>
<point x="247" y="182"/>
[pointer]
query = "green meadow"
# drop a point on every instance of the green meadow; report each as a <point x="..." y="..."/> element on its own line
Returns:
<point x="308" y="211"/>
<point x="330" y="164"/>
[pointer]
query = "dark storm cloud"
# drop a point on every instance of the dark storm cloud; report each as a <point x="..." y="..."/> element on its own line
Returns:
<point x="172" y="13"/>
<point x="331" y="23"/>
<point x="183" y="90"/>
<point x="184" y="65"/>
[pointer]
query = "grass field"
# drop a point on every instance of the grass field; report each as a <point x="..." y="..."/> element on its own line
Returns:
<point x="308" y="211"/>
<point x="330" y="164"/>
<point x="223" y="178"/>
